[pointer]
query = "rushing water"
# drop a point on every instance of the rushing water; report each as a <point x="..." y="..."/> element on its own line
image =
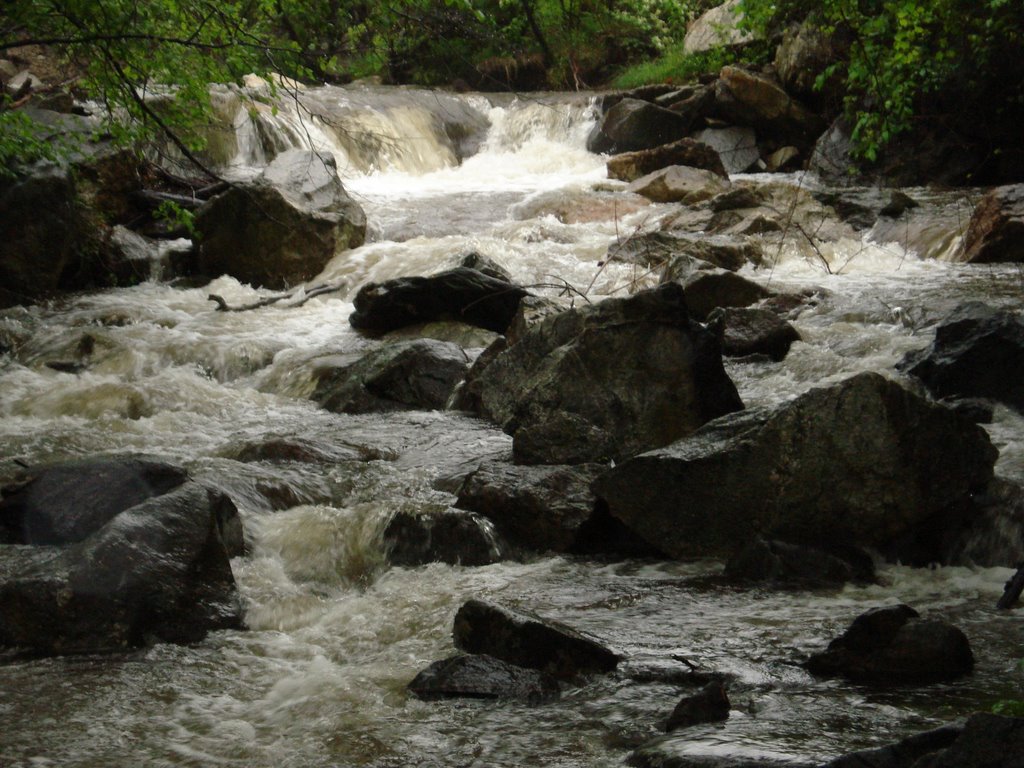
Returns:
<point x="334" y="634"/>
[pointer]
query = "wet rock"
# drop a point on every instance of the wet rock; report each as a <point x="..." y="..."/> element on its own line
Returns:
<point x="662" y="248"/>
<point x="996" y="231"/>
<point x="782" y="159"/>
<point x="463" y="334"/>
<point x="489" y="267"/>
<point x="679" y="184"/>
<point x="527" y="640"/>
<point x="68" y="502"/>
<point x="539" y="508"/>
<point x="461" y="294"/>
<point x="302" y="450"/>
<point x="865" y="461"/>
<point x="753" y="331"/>
<point x="709" y="706"/>
<point x="158" y="570"/>
<point x="631" y="125"/>
<point x="894" y="645"/>
<point x="738" y="198"/>
<point x="630" y="166"/>
<point x="716" y="27"/>
<point x="604" y="381"/>
<point x="978" y="351"/>
<point x="662" y="753"/>
<point x="580" y="206"/>
<point x="397" y="376"/>
<point x="483" y="677"/>
<point x="782" y="563"/>
<point x="904" y="754"/>
<point x="987" y="741"/>
<point x="735" y="145"/>
<point x="752" y="100"/>
<point x="995" y="537"/>
<point x="709" y="289"/>
<point x="282" y="228"/>
<point x="450" y="536"/>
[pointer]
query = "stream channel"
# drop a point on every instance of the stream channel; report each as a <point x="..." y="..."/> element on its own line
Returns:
<point x="334" y="635"/>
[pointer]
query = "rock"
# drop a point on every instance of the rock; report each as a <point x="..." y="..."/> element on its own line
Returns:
<point x="996" y="231"/>
<point x="450" y="536"/>
<point x="604" y="381"/>
<point x="159" y="570"/>
<point x="738" y="197"/>
<point x="735" y="145"/>
<point x="864" y="461"/>
<point x="987" y="741"/>
<point x="632" y="125"/>
<point x="904" y="754"/>
<point x="68" y="502"/>
<point x="538" y="508"/>
<point x="895" y="646"/>
<point x="996" y="535"/>
<point x="753" y="331"/>
<point x="526" y="640"/>
<point x="461" y="294"/>
<point x="679" y="184"/>
<point x="832" y="157"/>
<point x="709" y="289"/>
<point x="630" y="166"/>
<point x="978" y="351"/>
<point x="282" y="228"/>
<point x="663" y="753"/>
<point x="489" y="267"/>
<point x="709" y="706"/>
<point x="782" y="563"/>
<point x="419" y="374"/>
<point x="716" y="27"/>
<point x="782" y="159"/>
<point x="805" y="52"/>
<point x="483" y="677"/>
<point x="752" y="100"/>
<point x="580" y="206"/>
<point x="662" y="248"/>
<point x="22" y="83"/>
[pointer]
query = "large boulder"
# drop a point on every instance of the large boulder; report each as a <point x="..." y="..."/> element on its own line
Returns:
<point x="462" y="294"/>
<point x="526" y="640"/>
<point x="987" y="741"/>
<point x="711" y="289"/>
<point x="719" y="26"/>
<point x="158" y="570"/>
<point x="903" y="754"/>
<point x="479" y="676"/>
<point x="735" y="145"/>
<point x="632" y="125"/>
<point x="679" y="184"/>
<point x="894" y="645"/>
<point x="283" y="227"/>
<point x="753" y="100"/>
<point x="630" y="166"/>
<point x="451" y="536"/>
<point x="978" y="351"/>
<point x="996" y="231"/>
<point x="865" y="461"/>
<point x="604" y="381"/>
<point x="419" y="374"/>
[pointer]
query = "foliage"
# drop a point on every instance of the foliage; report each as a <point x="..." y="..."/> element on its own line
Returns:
<point x="910" y="58"/>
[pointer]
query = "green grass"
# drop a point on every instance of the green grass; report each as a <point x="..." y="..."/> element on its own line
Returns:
<point x="675" y="66"/>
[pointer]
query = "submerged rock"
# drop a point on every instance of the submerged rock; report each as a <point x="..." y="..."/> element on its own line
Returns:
<point x="865" y="461"/>
<point x="662" y="248"/>
<point x="462" y="294"/>
<point x="452" y="536"/>
<point x="526" y="640"/>
<point x="895" y="646"/>
<point x="604" y="381"/>
<point x="483" y="677"/>
<point x="282" y="228"/>
<point x="978" y="352"/>
<point x="710" y="705"/>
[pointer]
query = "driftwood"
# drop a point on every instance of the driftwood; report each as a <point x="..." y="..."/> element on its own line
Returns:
<point x="154" y="199"/>
<point x="318" y="290"/>
<point x="1011" y="593"/>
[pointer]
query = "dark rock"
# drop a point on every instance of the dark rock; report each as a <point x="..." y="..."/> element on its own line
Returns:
<point x="987" y="741"/>
<point x="538" y="508"/>
<point x="604" y="381"/>
<point x="450" y="536"/>
<point x="630" y="166"/>
<point x="159" y="570"/>
<point x="461" y="294"/>
<point x="303" y="450"/>
<point x="995" y="537"/>
<point x="996" y="231"/>
<point x="804" y="54"/>
<point x="779" y="562"/>
<point x="399" y="375"/>
<point x="748" y="99"/>
<point x="632" y="124"/>
<point x="832" y="158"/>
<point x="738" y="198"/>
<point x="489" y="267"/>
<point x="679" y="184"/>
<point x="895" y="646"/>
<point x="903" y="754"/>
<point x="709" y="706"/>
<point x="526" y="640"/>
<point x="975" y="409"/>
<point x="752" y="331"/>
<point x="67" y="502"/>
<point x="865" y="461"/>
<point x="483" y="677"/>
<point x="662" y="248"/>
<point x="978" y="352"/>
<point x="282" y="228"/>
<point x="707" y="290"/>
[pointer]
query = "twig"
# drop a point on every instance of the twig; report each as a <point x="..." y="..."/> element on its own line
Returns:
<point x="319" y="290"/>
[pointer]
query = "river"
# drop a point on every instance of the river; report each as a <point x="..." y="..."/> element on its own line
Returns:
<point x="334" y="633"/>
